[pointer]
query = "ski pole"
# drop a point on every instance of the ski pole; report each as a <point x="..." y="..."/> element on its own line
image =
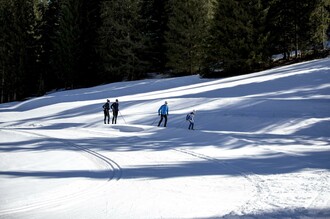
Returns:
<point x="122" y="117"/>
<point x="154" y="121"/>
<point x="183" y="124"/>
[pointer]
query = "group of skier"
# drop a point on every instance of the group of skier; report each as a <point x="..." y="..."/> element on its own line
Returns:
<point x="115" y="109"/>
<point x="162" y="112"/>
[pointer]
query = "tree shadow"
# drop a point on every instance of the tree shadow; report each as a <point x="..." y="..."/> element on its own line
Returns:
<point x="90" y="174"/>
<point x="272" y="162"/>
<point x="307" y="213"/>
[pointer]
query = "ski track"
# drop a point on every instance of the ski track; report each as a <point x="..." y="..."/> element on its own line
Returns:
<point x="262" y="190"/>
<point x="113" y="168"/>
<point x="322" y="178"/>
<point x="317" y="201"/>
<point x="260" y="185"/>
<point x="264" y="197"/>
<point x="261" y="199"/>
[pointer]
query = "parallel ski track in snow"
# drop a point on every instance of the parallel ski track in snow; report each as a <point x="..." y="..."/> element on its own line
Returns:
<point x="262" y="189"/>
<point x="113" y="168"/>
<point x="323" y="178"/>
<point x="316" y="202"/>
<point x="264" y="197"/>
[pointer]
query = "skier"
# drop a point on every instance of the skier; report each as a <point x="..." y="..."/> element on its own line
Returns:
<point x="163" y="112"/>
<point x="115" y="109"/>
<point x="106" y="108"/>
<point x="190" y="119"/>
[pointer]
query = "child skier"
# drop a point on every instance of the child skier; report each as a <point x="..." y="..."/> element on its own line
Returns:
<point x="190" y="118"/>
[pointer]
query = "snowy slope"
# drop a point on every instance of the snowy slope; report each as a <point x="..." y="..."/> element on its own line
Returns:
<point x="261" y="149"/>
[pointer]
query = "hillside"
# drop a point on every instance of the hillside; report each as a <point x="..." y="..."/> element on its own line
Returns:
<point x="261" y="149"/>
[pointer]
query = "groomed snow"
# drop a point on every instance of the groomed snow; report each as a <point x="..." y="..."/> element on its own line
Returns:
<point x="261" y="149"/>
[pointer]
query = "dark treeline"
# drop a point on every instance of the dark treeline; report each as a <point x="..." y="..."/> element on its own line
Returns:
<point x="54" y="44"/>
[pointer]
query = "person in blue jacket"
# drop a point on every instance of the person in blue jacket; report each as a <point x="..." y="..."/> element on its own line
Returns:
<point x="163" y="112"/>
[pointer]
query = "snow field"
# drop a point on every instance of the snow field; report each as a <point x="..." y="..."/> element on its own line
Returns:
<point x="260" y="149"/>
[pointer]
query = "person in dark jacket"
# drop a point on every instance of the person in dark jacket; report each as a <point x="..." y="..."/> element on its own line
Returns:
<point x="115" y="109"/>
<point x="163" y="112"/>
<point x="106" y="108"/>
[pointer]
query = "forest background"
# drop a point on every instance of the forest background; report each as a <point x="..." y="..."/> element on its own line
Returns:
<point x="47" y="45"/>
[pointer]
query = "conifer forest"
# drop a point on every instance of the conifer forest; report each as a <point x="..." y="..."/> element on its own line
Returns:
<point x="47" y="45"/>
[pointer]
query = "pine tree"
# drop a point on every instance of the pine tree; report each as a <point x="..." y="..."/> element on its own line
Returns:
<point x="50" y="21"/>
<point x="5" y="50"/>
<point x="67" y="44"/>
<point x="18" y="39"/>
<point x="89" y="24"/>
<point x="185" y="38"/>
<point x="121" y="42"/>
<point x="155" y="19"/>
<point x="238" y="38"/>
<point x="319" y="20"/>
<point x="73" y="57"/>
<point x="297" y="25"/>
<point x="35" y="80"/>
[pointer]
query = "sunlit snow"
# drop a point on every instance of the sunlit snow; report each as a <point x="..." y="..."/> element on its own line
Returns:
<point x="261" y="149"/>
